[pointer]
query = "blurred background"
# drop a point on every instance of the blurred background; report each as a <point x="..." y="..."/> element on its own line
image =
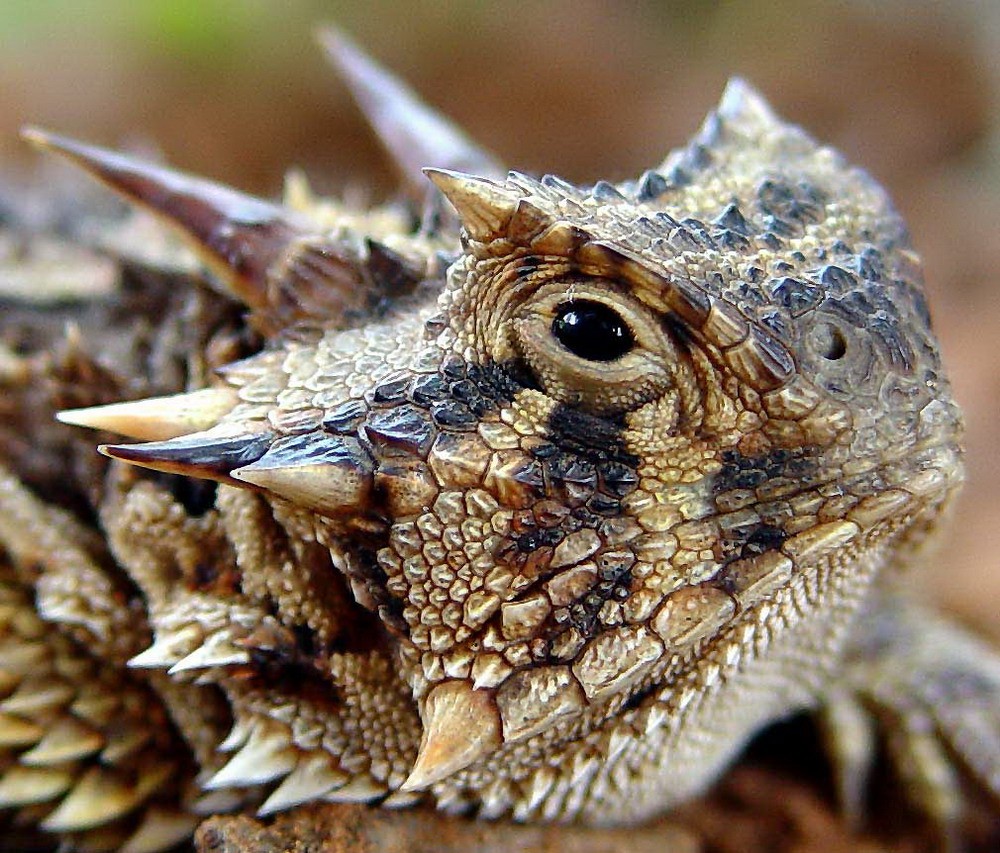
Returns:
<point x="238" y="91"/>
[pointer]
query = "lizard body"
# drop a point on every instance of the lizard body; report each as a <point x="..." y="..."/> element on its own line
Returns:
<point x="538" y="508"/>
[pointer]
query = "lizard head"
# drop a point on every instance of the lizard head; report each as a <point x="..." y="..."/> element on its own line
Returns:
<point x="597" y="433"/>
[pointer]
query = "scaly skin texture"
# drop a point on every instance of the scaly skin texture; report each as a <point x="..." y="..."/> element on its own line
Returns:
<point x="538" y="509"/>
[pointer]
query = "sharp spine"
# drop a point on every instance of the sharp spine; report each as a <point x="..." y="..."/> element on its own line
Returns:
<point x="168" y="648"/>
<point x="124" y="743"/>
<point x="314" y="776"/>
<point x="461" y="726"/>
<point x="361" y="789"/>
<point x="209" y="455"/>
<point x="67" y="739"/>
<point x="239" y="236"/>
<point x="98" y="797"/>
<point x="484" y="206"/>
<point x="157" y="418"/>
<point x="413" y="133"/>
<point x="316" y="470"/>
<point x="23" y="786"/>
<point x="216" y="651"/>
<point x="266" y="756"/>
<point x="36" y="695"/>
<point x="160" y="829"/>
<point x="238" y="734"/>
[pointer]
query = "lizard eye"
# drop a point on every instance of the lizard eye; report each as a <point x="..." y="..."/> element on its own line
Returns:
<point x="592" y="331"/>
<point x="592" y="346"/>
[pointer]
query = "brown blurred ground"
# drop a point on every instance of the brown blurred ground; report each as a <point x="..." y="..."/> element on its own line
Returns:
<point x="584" y="89"/>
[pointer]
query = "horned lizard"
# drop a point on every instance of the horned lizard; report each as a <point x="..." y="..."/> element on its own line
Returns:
<point x="514" y="498"/>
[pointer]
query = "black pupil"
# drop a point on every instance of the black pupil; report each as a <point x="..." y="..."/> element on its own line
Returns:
<point x="592" y="331"/>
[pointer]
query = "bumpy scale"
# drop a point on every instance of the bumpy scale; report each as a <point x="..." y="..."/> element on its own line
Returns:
<point x="540" y="510"/>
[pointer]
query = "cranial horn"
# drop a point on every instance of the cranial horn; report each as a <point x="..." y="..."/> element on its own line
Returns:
<point x="157" y="418"/>
<point x="484" y="206"/>
<point x="240" y="237"/>
<point x="414" y="134"/>
<point x="210" y="455"/>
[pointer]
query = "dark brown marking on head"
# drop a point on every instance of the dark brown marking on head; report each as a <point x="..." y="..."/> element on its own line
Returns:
<point x="592" y="438"/>
<point x="748" y="472"/>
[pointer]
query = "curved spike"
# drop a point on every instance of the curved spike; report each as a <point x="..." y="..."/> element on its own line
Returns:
<point x="326" y="473"/>
<point x="241" y="730"/>
<point x="39" y="693"/>
<point x="314" y="776"/>
<point x="23" y="786"/>
<point x="17" y="732"/>
<point x="68" y="739"/>
<point x="209" y="455"/>
<point x="157" y="418"/>
<point x="98" y="797"/>
<point x="168" y="648"/>
<point x="123" y="744"/>
<point x="461" y="725"/>
<point x="413" y="133"/>
<point x="484" y="206"/>
<point x="240" y="237"/>
<point x="217" y="651"/>
<point x="160" y="829"/>
<point x="267" y="755"/>
<point x="361" y="789"/>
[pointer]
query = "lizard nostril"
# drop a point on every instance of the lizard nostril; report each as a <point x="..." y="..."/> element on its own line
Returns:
<point x="830" y="342"/>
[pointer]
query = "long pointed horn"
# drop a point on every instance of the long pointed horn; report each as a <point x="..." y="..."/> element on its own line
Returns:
<point x="415" y="135"/>
<point x="239" y="236"/>
<point x="209" y="455"/>
<point x="157" y="418"/>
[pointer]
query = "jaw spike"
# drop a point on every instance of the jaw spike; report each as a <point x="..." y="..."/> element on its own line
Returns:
<point x="484" y="206"/>
<point x="414" y="134"/>
<point x="461" y="725"/>
<point x="240" y="237"/>
<point x="157" y="418"/>
<point x="210" y="455"/>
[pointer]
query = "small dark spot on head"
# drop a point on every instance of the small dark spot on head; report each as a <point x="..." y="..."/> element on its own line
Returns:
<point x="764" y="538"/>
<point x="527" y="266"/>
<point x="591" y="437"/>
